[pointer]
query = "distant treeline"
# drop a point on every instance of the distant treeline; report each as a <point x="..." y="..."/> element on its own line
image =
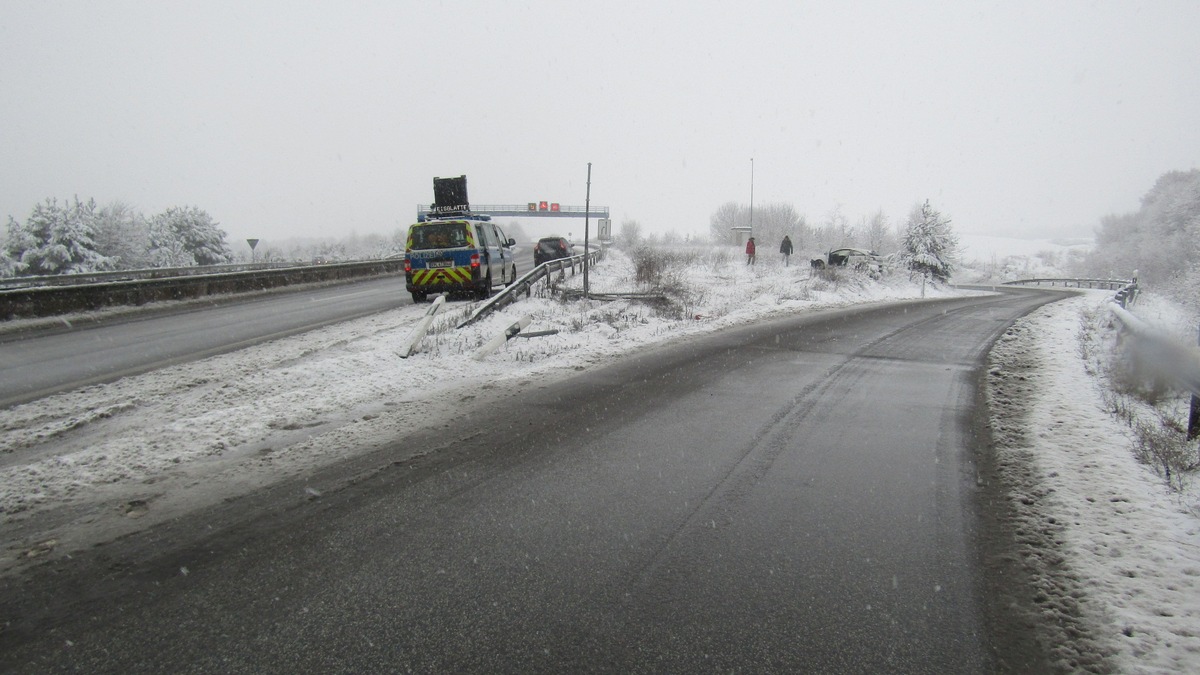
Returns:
<point x="1161" y="240"/>
<point x="77" y="236"/>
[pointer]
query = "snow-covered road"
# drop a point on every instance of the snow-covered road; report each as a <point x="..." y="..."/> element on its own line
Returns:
<point x="87" y="466"/>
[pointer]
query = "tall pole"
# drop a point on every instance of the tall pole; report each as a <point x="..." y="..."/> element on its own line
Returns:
<point x="751" y="196"/>
<point x="587" y="208"/>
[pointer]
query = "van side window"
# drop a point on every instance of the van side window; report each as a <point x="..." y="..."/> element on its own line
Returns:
<point x="485" y="238"/>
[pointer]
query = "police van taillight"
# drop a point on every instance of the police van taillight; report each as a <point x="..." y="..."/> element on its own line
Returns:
<point x="407" y="265"/>
<point x="474" y="260"/>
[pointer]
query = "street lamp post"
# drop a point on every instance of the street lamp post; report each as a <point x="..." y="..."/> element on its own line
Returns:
<point x="751" y="196"/>
<point x="587" y="207"/>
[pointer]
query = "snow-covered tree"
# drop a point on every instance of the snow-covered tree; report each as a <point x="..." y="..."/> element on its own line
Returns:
<point x="8" y="266"/>
<point x="124" y="235"/>
<point x="930" y="245"/>
<point x="56" y="240"/>
<point x="1160" y="241"/>
<point x="186" y="236"/>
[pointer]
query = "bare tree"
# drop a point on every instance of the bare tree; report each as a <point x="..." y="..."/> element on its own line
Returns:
<point x="631" y="233"/>
<point x="727" y="216"/>
<point x="877" y="233"/>
<point x="771" y="222"/>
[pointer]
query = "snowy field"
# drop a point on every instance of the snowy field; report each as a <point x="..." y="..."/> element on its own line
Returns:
<point x="91" y="465"/>
<point x="1006" y="258"/>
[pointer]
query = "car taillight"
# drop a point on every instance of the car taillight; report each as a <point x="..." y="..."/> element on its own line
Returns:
<point x="474" y="260"/>
<point x="562" y="246"/>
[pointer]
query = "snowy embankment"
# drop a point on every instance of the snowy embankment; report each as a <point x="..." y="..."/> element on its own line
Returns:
<point x="1114" y="555"/>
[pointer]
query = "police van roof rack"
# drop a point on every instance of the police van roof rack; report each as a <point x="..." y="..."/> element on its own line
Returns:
<point x="450" y="214"/>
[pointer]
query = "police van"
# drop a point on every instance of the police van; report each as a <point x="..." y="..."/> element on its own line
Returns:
<point x="465" y="254"/>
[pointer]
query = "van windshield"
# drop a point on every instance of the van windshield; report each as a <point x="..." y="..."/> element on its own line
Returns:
<point x="438" y="235"/>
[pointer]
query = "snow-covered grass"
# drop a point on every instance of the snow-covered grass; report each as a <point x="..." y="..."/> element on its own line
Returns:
<point x="1112" y="551"/>
<point x="1119" y="552"/>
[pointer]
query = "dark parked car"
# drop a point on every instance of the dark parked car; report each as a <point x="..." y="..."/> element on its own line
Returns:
<point x="552" y="248"/>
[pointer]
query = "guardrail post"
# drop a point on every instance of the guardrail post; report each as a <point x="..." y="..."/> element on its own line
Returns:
<point x="1194" y="414"/>
<point x="422" y="327"/>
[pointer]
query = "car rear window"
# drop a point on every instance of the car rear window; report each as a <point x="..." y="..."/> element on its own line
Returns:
<point x="439" y="235"/>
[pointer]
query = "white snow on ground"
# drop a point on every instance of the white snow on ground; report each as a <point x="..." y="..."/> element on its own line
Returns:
<point x="1130" y="547"/>
<point x="89" y="465"/>
<point x="1006" y="258"/>
<point x="985" y="247"/>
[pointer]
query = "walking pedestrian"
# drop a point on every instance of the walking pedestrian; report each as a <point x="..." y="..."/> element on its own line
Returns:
<point x="750" y="251"/>
<point x="786" y="249"/>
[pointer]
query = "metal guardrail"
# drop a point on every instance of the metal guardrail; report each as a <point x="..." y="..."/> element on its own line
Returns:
<point x="140" y="274"/>
<point x="526" y="282"/>
<point x="1168" y="356"/>
<point x="1105" y="284"/>
<point x="44" y="301"/>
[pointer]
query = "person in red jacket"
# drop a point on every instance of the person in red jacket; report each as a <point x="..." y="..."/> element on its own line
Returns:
<point x="750" y="251"/>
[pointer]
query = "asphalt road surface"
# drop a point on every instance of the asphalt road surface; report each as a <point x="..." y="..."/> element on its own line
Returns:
<point x="40" y="363"/>
<point x="793" y="496"/>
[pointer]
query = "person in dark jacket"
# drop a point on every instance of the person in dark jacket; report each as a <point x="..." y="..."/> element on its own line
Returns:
<point x="750" y="251"/>
<point x="786" y="249"/>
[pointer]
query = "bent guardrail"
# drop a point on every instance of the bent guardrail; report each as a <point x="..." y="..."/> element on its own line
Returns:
<point x="526" y="282"/>
<point x="44" y="301"/>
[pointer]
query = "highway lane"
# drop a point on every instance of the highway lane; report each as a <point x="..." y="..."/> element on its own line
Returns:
<point x="37" y="364"/>
<point x="794" y="496"/>
<point x="41" y="363"/>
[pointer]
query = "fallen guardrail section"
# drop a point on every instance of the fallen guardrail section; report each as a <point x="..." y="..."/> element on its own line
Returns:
<point x="525" y="283"/>
<point x="1170" y="358"/>
<point x="508" y="334"/>
<point x="418" y="332"/>
<point x="43" y="301"/>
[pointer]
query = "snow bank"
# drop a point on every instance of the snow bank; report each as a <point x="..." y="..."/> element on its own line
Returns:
<point x="1114" y="555"/>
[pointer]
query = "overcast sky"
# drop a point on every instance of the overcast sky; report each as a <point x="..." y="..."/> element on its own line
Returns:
<point x="314" y="119"/>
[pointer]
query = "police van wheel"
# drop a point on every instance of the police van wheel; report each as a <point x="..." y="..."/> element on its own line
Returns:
<point x="418" y="297"/>
<point x="485" y="291"/>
